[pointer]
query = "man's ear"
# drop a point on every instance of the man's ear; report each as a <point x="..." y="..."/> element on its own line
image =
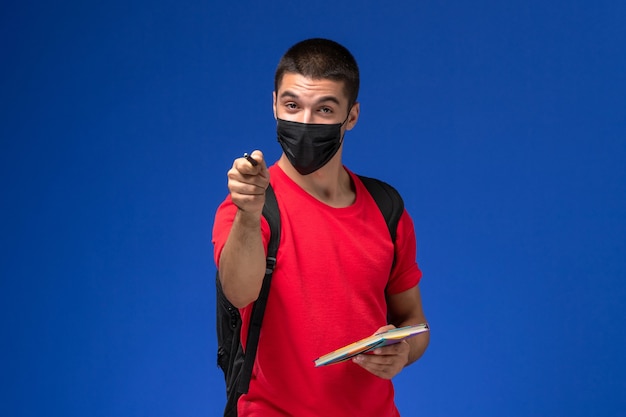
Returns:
<point x="274" y="103"/>
<point x="353" y="116"/>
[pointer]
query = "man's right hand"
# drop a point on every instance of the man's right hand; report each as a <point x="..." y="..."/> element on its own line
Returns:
<point x="247" y="183"/>
<point x="241" y="280"/>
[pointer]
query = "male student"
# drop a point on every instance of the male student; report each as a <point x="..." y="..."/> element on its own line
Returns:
<point x="338" y="276"/>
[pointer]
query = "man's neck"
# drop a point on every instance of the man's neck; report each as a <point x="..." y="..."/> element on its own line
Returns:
<point x="330" y="184"/>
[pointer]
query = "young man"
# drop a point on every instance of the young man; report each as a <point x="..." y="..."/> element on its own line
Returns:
<point x="338" y="276"/>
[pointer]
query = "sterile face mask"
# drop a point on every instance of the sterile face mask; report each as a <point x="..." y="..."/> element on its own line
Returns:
<point x="309" y="146"/>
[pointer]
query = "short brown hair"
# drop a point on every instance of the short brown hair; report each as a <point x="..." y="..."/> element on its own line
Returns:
<point x="319" y="58"/>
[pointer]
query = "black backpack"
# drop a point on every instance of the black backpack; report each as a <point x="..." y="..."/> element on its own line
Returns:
<point x="236" y="365"/>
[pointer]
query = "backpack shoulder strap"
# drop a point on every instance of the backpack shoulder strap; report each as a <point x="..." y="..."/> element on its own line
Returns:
<point x="272" y="215"/>
<point x="389" y="202"/>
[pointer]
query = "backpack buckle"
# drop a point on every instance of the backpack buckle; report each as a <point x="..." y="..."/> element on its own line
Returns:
<point x="270" y="263"/>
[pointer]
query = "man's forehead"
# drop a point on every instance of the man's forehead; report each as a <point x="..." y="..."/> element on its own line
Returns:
<point x="293" y="85"/>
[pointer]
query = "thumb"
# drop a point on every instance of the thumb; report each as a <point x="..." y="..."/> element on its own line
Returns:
<point x="385" y="328"/>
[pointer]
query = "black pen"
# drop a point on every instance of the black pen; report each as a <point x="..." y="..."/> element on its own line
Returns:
<point x="250" y="159"/>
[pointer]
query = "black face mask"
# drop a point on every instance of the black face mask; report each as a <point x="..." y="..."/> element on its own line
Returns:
<point x="309" y="146"/>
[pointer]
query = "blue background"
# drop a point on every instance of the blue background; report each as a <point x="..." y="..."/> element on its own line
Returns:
<point x="503" y="124"/>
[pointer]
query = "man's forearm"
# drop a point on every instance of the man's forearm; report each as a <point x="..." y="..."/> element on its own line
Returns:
<point x="242" y="261"/>
<point x="418" y="345"/>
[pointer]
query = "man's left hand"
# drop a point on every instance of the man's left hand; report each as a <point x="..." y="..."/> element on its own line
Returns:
<point x="387" y="361"/>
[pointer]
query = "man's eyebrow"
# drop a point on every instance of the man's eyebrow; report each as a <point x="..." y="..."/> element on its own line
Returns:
<point x="329" y="98"/>
<point x="290" y="94"/>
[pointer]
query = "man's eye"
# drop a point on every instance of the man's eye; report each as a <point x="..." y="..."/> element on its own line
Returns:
<point x="326" y="110"/>
<point x="291" y="105"/>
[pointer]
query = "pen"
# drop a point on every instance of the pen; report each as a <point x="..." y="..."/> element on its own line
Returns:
<point x="250" y="159"/>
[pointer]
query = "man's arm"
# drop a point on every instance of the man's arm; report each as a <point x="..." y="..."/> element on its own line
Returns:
<point x="404" y="309"/>
<point x="242" y="260"/>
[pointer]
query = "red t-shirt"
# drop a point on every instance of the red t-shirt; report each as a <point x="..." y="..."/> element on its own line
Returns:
<point x="328" y="289"/>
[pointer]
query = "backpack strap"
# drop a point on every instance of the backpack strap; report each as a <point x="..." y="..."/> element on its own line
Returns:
<point x="389" y="202"/>
<point x="272" y="215"/>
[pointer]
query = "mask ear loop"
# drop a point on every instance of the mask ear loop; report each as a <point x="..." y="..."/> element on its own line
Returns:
<point x="348" y="116"/>
<point x="344" y="122"/>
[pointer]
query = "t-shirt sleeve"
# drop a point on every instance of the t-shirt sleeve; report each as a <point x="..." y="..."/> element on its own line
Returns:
<point x="405" y="273"/>
<point x="224" y="218"/>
